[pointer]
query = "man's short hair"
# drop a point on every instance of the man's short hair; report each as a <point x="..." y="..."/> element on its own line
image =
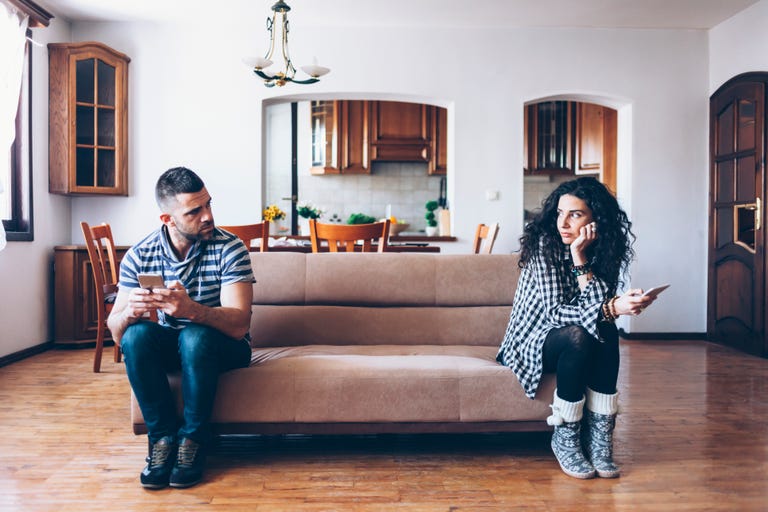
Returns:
<point x="172" y="182"/>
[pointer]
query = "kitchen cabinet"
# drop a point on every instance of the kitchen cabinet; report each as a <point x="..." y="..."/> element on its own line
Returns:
<point x="348" y="135"/>
<point x="565" y="137"/>
<point x="88" y="119"/>
<point x="400" y="132"/>
<point x="340" y="143"/>
<point x="549" y="128"/>
<point x="596" y="142"/>
<point x="438" y="164"/>
<point x="75" y="305"/>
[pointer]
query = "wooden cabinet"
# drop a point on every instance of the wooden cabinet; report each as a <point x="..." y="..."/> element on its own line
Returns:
<point x="88" y="119"/>
<point x="589" y="138"/>
<point x="348" y="135"/>
<point x="596" y="129"/>
<point x="565" y="137"/>
<point x="438" y="164"/>
<point x="75" y="306"/>
<point x="549" y="130"/>
<point x="340" y="143"/>
<point x="400" y="131"/>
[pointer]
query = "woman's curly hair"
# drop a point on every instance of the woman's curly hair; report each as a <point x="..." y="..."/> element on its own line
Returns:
<point x="611" y="250"/>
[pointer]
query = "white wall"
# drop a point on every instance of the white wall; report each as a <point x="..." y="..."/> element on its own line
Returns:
<point x="739" y="45"/>
<point x="192" y="103"/>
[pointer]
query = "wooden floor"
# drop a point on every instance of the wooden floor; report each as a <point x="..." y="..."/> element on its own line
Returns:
<point x="692" y="436"/>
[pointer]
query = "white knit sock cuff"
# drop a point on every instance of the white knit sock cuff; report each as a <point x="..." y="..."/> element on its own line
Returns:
<point x="601" y="403"/>
<point x="565" y="411"/>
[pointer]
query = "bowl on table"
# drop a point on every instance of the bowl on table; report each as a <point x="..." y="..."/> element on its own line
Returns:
<point x="397" y="228"/>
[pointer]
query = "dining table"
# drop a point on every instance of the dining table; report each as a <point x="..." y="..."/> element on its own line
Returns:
<point x="303" y="244"/>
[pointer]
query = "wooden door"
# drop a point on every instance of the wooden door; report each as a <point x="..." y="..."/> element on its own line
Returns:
<point x="736" y="291"/>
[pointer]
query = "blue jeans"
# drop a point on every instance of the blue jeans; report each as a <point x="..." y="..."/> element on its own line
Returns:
<point x="151" y="351"/>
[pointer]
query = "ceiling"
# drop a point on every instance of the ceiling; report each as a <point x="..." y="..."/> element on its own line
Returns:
<point x="664" y="14"/>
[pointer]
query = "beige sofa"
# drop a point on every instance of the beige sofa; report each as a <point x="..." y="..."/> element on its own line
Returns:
<point x="377" y="343"/>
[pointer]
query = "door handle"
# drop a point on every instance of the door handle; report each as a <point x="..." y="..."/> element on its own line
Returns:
<point x="758" y="213"/>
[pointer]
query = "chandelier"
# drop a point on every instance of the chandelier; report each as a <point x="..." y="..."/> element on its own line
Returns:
<point x="287" y="71"/>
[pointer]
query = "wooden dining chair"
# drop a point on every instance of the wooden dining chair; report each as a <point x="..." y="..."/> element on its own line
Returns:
<point x="104" y="268"/>
<point x="485" y="237"/>
<point x="250" y="232"/>
<point x="344" y="237"/>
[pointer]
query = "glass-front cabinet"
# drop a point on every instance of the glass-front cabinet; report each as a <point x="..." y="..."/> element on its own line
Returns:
<point x="550" y="128"/>
<point x="88" y="116"/>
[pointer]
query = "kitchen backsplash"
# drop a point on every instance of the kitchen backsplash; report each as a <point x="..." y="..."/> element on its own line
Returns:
<point x="404" y="186"/>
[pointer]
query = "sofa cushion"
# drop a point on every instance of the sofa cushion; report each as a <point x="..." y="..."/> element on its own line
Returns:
<point x="383" y="383"/>
<point x="390" y="279"/>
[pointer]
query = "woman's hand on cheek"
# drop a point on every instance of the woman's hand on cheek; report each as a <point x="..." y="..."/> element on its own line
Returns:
<point x="587" y="235"/>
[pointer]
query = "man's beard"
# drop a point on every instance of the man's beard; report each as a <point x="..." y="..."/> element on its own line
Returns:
<point x="200" y="235"/>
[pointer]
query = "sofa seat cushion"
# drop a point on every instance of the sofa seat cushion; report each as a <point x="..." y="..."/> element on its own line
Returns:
<point x="380" y="383"/>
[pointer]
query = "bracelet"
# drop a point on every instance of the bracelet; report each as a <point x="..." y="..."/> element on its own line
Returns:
<point x="607" y="312"/>
<point x="612" y="307"/>
<point x="580" y="270"/>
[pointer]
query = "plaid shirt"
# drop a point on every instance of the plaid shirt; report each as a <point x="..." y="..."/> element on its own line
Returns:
<point x="547" y="297"/>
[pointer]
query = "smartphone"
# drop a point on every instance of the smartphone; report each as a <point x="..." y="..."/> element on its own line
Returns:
<point x="655" y="291"/>
<point x="151" y="281"/>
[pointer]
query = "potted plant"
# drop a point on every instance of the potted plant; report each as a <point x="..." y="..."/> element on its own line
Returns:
<point x="306" y="211"/>
<point x="431" y="229"/>
<point x="274" y="215"/>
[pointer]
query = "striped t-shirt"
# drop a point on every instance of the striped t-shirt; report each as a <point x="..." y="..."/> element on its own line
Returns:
<point x="209" y="265"/>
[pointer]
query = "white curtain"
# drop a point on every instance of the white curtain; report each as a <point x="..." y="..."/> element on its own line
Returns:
<point x="13" y="29"/>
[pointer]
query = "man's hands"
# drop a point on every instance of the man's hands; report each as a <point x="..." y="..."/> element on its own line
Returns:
<point x="173" y="301"/>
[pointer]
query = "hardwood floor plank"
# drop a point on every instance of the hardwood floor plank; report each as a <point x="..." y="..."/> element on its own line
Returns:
<point x="692" y="436"/>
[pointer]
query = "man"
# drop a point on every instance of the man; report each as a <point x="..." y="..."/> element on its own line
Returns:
<point x="202" y="330"/>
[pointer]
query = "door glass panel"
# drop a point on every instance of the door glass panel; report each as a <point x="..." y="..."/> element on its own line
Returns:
<point x="552" y="127"/>
<point x="724" y="227"/>
<point x="84" y="125"/>
<point x="724" y="172"/>
<point x="322" y="116"/>
<point x="746" y="135"/>
<point x="105" y="174"/>
<point x="106" y="84"/>
<point x="725" y="130"/>
<point x="84" y="72"/>
<point x="744" y="220"/>
<point x="84" y="165"/>
<point x="745" y="179"/>
<point x="106" y="127"/>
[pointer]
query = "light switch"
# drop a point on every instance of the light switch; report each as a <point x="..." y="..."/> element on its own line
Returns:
<point x="492" y="195"/>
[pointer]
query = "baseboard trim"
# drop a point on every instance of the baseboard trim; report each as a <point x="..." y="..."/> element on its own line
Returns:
<point x="663" y="335"/>
<point x="23" y="354"/>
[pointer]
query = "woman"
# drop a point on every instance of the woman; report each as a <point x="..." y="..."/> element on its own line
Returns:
<point x="562" y="321"/>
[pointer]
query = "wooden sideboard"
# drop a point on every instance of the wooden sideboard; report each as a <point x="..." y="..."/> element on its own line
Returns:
<point x="75" y="296"/>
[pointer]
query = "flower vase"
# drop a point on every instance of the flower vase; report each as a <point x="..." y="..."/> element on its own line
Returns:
<point x="303" y="226"/>
<point x="276" y="227"/>
<point x="431" y="230"/>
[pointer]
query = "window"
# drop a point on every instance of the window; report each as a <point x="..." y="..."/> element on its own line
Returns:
<point x="16" y="199"/>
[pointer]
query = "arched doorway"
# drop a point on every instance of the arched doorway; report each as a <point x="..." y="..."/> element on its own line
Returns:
<point x="565" y="137"/>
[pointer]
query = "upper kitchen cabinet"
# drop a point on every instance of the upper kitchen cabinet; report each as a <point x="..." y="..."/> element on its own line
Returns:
<point x="400" y="132"/>
<point x="88" y="119"/>
<point x="438" y="164"/>
<point x="566" y="137"/>
<point x="549" y="128"/>
<point x="340" y="143"/>
<point x="596" y="142"/>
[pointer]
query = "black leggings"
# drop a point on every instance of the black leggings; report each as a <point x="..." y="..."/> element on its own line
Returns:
<point x="580" y="360"/>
